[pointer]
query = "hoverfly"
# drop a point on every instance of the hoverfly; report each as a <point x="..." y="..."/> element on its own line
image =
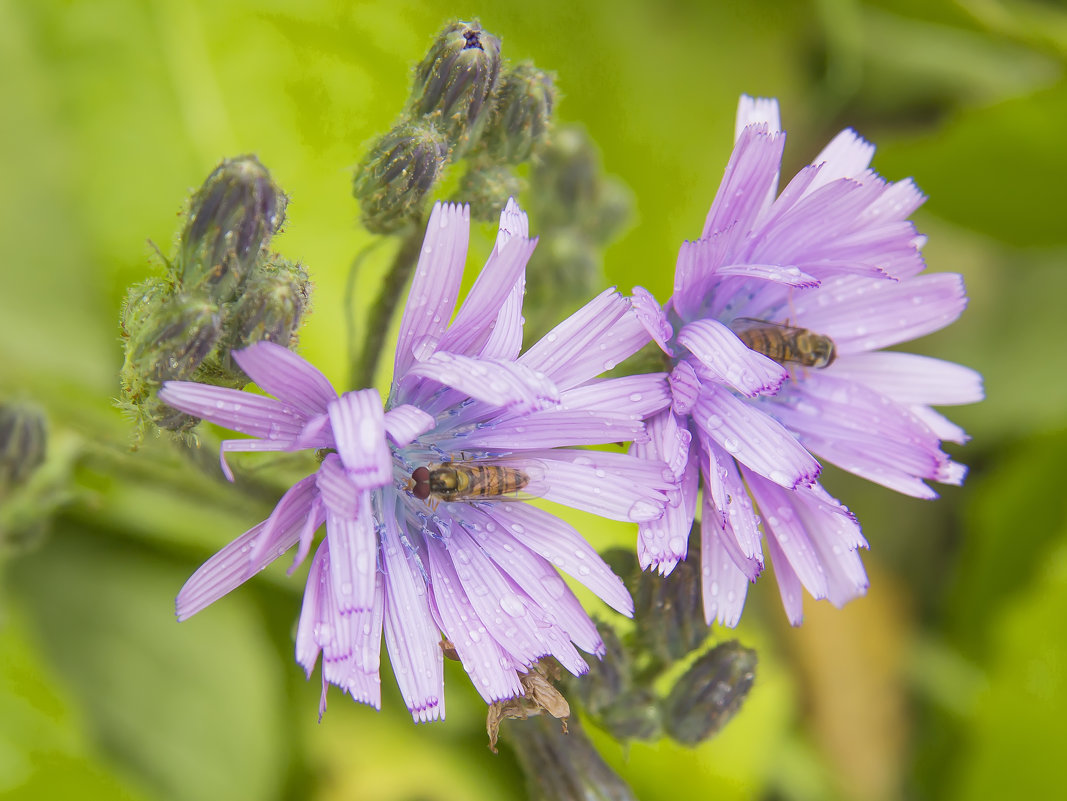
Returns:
<point x="785" y="343"/>
<point x="467" y="481"/>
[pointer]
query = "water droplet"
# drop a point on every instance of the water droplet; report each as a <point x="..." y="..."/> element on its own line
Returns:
<point x="512" y="604"/>
<point x="713" y="421"/>
<point x="555" y="586"/>
<point x="643" y="510"/>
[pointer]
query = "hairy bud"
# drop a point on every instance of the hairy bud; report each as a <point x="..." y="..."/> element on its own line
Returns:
<point x="142" y="302"/>
<point x="180" y="335"/>
<point x="231" y="219"/>
<point x="23" y="435"/>
<point x="626" y="708"/>
<point x="522" y="114"/>
<point x="270" y="308"/>
<point x="455" y="81"/>
<point x="398" y="173"/>
<point x="669" y="612"/>
<point x="566" y="177"/>
<point x="709" y="693"/>
<point x="487" y="188"/>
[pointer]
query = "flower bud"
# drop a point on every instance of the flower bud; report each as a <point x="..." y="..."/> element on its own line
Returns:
<point x="563" y="272"/>
<point x="231" y="219"/>
<point x="669" y="612"/>
<point x="455" y="81"/>
<point x="270" y="308"/>
<point x="487" y="188"/>
<point x="709" y="693"/>
<point x="627" y="710"/>
<point x="142" y="302"/>
<point x="566" y="178"/>
<point x="522" y="114"/>
<point x="398" y="173"/>
<point x="171" y="344"/>
<point x="23" y="435"/>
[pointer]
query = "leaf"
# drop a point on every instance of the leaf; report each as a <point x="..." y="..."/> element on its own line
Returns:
<point x="1013" y="518"/>
<point x="45" y="752"/>
<point x="193" y="711"/>
<point x="1012" y="750"/>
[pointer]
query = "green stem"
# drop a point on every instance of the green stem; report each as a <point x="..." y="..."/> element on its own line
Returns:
<point x="381" y="315"/>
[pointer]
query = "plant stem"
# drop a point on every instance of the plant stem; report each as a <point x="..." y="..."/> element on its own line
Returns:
<point x="381" y="315"/>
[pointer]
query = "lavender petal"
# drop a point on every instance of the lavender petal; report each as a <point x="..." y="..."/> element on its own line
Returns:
<point x="725" y="358"/>
<point x="435" y="287"/>
<point x="411" y="636"/>
<point x="288" y="377"/>
<point x="359" y="429"/>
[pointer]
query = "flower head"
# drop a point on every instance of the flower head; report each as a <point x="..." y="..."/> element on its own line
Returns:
<point x="425" y="534"/>
<point x="776" y="328"/>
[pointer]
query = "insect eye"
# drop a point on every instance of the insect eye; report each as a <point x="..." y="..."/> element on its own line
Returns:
<point x="421" y="477"/>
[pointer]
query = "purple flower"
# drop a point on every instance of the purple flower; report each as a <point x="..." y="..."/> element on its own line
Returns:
<point x="776" y="327"/>
<point x="401" y="554"/>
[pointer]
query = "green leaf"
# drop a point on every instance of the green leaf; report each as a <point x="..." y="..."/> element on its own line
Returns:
<point x="996" y="169"/>
<point x="1013" y="751"/>
<point x="193" y="711"/>
<point x="45" y="752"/>
<point x="1014" y="516"/>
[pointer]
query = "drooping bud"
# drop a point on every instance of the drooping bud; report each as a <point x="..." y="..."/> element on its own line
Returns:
<point x="23" y="435"/>
<point x="171" y="345"/>
<point x="522" y="113"/>
<point x="455" y="81"/>
<point x="231" y="219"/>
<point x="709" y="693"/>
<point x="487" y="187"/>
<point x="270" y="308"/>
<point x="398" y="173"/>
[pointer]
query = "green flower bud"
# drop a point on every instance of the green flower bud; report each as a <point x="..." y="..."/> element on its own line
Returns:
<point x="669" y="612"/>
<point x="23" y="435"/>
<point x="455" y="81"/>
<point x="608" y="678"/>
<point x="613" y="210"/>
<point x="171" y="345"/>
<point x="566" y="178"/>
<point x="709" y="693"/>
<point x="487" y="188"/>
<point x="398" y="173"/>
<point x="522" y="115"/>
<point x="231" y="219"/>
<point x="143" y="301"/>
<point x="564" y="271"/>
<point x="270" y="308"/>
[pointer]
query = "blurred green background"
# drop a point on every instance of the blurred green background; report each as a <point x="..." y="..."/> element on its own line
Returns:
<point x="945" y="682"/>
